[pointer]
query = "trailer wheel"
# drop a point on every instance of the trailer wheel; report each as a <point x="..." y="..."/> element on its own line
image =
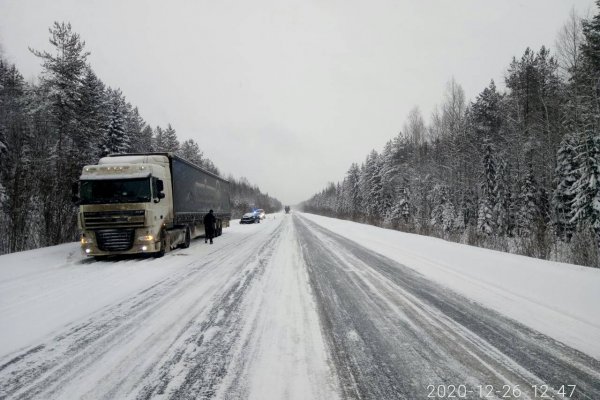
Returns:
<point x="188" y="238"/>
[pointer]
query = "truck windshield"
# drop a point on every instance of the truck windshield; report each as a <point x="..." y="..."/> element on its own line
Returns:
<point x="115" y="191"/>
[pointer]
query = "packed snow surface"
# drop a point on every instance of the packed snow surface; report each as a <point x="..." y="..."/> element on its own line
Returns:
<point x="296" y="307"/>
<point x="557" y="299"/>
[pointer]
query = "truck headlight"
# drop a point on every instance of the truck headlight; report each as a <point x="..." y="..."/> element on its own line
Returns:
<point x="86" y="240"/>
<point x="146" y="238"/>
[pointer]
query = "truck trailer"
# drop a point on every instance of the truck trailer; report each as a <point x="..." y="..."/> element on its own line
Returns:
<point x="147" y="203"/>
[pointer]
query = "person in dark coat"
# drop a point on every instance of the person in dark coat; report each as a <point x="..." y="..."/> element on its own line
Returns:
<point x="209" y="226"/>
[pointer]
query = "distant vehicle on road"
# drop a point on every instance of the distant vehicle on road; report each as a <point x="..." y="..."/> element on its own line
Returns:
<point x="261" y="213"/>
<point x="250" y="218"/>
<point x="287" y="209"/>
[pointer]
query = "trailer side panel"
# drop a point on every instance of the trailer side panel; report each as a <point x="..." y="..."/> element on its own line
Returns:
<point x="196" y="191"/>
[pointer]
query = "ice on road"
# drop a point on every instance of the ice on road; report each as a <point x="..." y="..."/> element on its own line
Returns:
<point x="285" y="309"/>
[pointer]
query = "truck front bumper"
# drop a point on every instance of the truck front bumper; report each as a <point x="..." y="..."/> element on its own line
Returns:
<point x="93" y="243"/>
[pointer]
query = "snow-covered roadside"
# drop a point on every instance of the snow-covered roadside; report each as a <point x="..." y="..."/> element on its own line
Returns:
<point x="42" y="290"/>
<point x="559" y="300"/>
<point x="45" y="289"/>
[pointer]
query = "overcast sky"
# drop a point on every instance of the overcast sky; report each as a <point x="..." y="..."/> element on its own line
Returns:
<point x="288" y="93"/>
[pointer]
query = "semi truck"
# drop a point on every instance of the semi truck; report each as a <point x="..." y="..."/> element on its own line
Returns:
<point x="147" y="203"/>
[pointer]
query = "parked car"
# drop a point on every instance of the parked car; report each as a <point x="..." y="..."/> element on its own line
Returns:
<point x="250" y="218"/>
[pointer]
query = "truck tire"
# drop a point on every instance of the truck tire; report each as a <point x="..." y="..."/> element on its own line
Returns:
<point x="188" y="238"/>
<point x="163" y="245"/>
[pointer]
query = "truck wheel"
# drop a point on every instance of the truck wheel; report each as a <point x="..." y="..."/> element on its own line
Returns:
<point x="163" y="245"/>
<point x="188" y="239"/>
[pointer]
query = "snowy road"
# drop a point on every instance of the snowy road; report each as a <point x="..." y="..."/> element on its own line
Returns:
<point x="280" y="310"/>
<point x="394" y="334"/>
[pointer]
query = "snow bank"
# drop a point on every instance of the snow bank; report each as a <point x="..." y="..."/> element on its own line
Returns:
<point x="557" y="299"/>
<point x="45" y="289"/>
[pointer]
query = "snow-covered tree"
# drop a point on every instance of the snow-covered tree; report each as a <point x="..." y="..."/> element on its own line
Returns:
<point x="528" y="209"/>
<point x="486" y="221"/>
<point x="140" y="137"/>
<point x="586" y="204"/>
<point x="170" y="143"/>
<point x="117" y="139"/>
<point x="443" y="214"/>
<point x="370" y="183"/>
<point x="63" y="71"/>
<point x="93" y="116"/>
<point x="567" y="174"/>
<point x="191" y="152"/>
<point x="502" y="193"/>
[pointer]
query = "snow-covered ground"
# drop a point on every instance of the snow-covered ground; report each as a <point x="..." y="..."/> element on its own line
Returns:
<point x="71" y="326"/>
<point x="557" y="299"/>
<point x="296" y="307"/>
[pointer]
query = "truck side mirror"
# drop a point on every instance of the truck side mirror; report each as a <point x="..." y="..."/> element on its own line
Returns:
<point x="160" y="186"/>
<point x="75" y="193"/>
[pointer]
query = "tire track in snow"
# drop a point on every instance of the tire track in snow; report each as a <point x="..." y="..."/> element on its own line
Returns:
<point x="202" y="360"/>
<point x="392" y="332"/>
<point x="47" y="370"/>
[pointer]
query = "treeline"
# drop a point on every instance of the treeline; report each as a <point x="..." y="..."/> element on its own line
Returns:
<point x="515" y="170"/>
<point x="49" y="130"/>
<point x="245" y="196"/>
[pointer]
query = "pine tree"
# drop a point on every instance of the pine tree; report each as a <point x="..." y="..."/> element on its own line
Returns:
<point x="210" y="166"/>
<point x="17" y="179"/>
<point x="486" y="113"/>
<point x="370" y="183"/>
<point x="567" y="174"/>
<point x="502" y="193"/>
<point x="165" y="140"/>
<point x="93" y="117"/>
<point x="170" y="144"/>
<point x="145" y="143"/>
<point x="387" y="177"/>
<point x="586" y="204"/>
<point x="443" y="214"/>
<point x="486" y="221"/>
<point x="354" y="193"/>
<point x="586" y="125"/>
<point x="158" y="139"/>
<point x="191" y="152"/>
<point x="140" y="139"/>
<point x="117" y="140"/>
<point x="62" y="77"/>
<point x="528" y="208"/>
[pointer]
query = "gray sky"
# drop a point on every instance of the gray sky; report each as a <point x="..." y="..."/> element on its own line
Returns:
<point x="288" y="93"/>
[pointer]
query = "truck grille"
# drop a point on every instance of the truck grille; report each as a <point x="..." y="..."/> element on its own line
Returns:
<point x="115" y="239"/>
<point x="109" y="219"/>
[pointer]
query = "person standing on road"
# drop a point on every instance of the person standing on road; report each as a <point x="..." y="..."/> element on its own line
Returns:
<point x="209" y="226"/>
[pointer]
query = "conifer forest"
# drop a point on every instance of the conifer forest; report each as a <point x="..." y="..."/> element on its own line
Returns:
<point x="517" y="169"/>
<point x="67" y="119"/>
